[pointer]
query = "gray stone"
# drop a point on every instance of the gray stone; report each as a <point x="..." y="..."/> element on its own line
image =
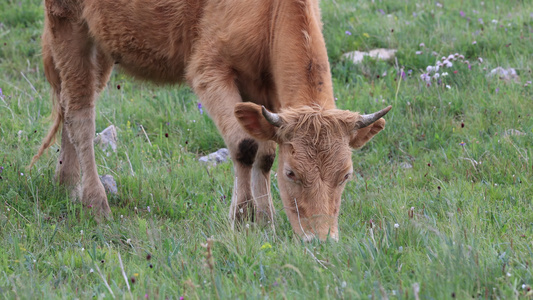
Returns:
<point x="215" y="158"/>
<point x="107" y="138"/>
<point x="110" y="185"/>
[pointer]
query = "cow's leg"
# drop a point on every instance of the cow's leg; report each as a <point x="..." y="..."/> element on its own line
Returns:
<point x="68" y="166"/>
<point x="76" y="59"/>
<point x="218" y="94"/>
<point x="261" y="181"/>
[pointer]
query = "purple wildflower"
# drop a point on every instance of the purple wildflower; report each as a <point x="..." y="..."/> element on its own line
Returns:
<point x="1" y="92"/>
<point x="462" y="13"/>
<point x="497" y="90"/>
<point x="1" y="169"/>
<point x="480" y="20"/>
<point x="148" y="208"/>
<point x="462" y="144"/>
<point x="403" y="75"/>
<point x="200" y="108"/>
<point x="382" y="11"/>
<point x="426" y="78"/>
<point x="348" y="32"/>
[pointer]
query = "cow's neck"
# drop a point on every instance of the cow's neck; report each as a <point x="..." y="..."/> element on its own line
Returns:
<point x="299" y="58"/>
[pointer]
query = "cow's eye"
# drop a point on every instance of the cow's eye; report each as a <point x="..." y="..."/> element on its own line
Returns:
<point x="290" y="174"/>
<point x="346" y="178"/>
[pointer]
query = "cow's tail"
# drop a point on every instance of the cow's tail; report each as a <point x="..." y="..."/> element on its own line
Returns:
<point x="57" y="112"/>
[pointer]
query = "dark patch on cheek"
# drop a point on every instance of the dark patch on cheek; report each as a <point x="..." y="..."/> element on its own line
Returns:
<point x="247" y="151"/>
<point x="266" y="162"/>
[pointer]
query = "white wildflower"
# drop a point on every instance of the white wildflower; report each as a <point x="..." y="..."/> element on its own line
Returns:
<point x="447" y="63"/>
<point x="418" y="52"/>
<point x="436" y="76"/>
<point x="474" y="42"/>
<point x="480" y="59"/>
<point x="396" y="225"/>
<point x="444" y="74"/>
<point x="422" y="45"/>
<point x="448" y="87"/>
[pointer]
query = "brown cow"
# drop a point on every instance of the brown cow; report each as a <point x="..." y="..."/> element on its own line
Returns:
<point x="237" y="55"/>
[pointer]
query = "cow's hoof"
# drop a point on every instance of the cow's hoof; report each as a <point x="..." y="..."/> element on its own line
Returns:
<point x="96" y="201"/>
<point x="75" y="192"/>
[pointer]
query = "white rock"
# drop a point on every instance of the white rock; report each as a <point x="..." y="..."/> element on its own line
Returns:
<point x="215" y="158"/>
<point x="107" y="138"/>
<point x="380" y="53"/>
<point x="406" y="165"/>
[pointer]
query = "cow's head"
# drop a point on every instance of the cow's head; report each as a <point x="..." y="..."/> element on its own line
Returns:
<point x="315" y="158"/>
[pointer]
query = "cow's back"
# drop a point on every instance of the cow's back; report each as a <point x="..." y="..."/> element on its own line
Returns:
<point x="149" y="39"/>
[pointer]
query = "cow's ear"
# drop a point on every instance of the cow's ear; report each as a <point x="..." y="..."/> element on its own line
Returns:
<point x="363" y="135"/>
<point x="251" y="118"/>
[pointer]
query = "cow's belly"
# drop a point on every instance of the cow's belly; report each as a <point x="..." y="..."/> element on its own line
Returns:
<point x="150" y="41"/>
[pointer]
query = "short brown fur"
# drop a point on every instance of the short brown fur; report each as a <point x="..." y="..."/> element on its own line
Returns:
<point x="236" y="55"/>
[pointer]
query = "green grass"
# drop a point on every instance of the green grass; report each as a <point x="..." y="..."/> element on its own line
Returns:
<point x="464" y="213"/>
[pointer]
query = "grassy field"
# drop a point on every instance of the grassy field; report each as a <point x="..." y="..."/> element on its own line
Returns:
<point x="440" y="207"/>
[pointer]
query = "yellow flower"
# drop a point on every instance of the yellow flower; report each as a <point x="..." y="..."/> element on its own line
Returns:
<point x="366" y="35"/>
<point x="266" y="246"/>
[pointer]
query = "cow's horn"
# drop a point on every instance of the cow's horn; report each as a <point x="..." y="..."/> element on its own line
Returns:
<point x="366" y="120"/>
<point x="272" y="118"/>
